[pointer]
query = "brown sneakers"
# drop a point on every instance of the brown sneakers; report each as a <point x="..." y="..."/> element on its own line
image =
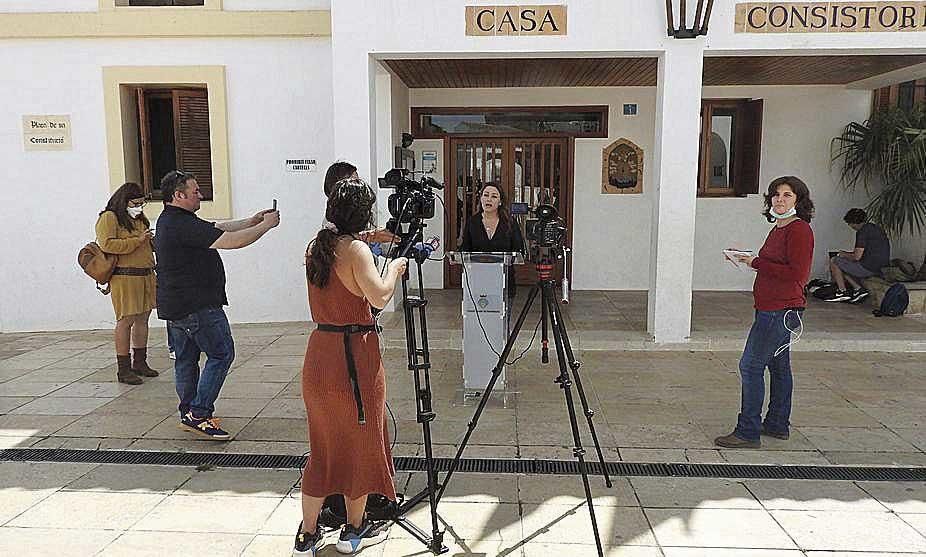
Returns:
<point x="733" y="442"/>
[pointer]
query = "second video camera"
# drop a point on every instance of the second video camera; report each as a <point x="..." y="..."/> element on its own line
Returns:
<point x="548" y="229"/>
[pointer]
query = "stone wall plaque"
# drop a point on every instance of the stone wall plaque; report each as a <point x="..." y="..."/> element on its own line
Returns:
<point x="622" y="167"/>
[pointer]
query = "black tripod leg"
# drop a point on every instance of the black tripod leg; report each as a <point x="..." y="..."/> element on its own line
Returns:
<point x="496" y="373"/>
<point x="574" y="365"/>
<point x="544" y="339"/>
<point x="565" y="384"/>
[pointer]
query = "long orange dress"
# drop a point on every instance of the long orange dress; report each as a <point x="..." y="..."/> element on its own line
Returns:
<point x="346" y="458"/>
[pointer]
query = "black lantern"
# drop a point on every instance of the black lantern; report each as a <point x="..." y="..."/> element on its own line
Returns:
<point x="701" y="17"/>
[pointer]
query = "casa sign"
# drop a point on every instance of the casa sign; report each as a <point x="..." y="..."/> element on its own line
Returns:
<point x="829" y="17"/>
<point x="521" y="20"/>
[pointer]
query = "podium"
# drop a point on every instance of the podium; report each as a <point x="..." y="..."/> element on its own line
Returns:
<point x="486" y="314"/>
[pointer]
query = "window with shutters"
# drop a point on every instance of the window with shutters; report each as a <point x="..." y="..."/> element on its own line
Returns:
<point x="173" y="133"/>
<point x="903" y="95"/>
<point x="730" y="147"/>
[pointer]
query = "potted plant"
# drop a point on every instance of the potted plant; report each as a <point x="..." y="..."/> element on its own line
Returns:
<point x="888" y="150"/>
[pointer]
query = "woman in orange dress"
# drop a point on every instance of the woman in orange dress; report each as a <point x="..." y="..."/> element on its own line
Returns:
<point x="343" y="380"/>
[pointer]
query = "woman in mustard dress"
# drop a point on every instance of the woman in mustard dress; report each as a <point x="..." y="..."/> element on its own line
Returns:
<point x="122" y="230"/>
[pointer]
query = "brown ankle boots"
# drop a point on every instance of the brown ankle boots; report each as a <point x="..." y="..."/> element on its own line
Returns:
<point x="124" y="373"/>
<point x="140" y="363"/>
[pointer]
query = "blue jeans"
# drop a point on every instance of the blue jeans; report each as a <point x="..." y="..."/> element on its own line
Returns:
<point x="767" y="335"/>
<point x="206" y="330"/>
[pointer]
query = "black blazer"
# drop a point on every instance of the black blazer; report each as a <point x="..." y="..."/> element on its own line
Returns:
<point x="505" y="238"/>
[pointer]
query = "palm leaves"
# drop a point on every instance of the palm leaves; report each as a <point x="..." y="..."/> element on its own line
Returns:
<point x="890" y="148"/>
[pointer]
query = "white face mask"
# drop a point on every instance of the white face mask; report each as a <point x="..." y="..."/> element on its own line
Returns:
<point x="788" y="214"/>
<point x="134" y="211"/>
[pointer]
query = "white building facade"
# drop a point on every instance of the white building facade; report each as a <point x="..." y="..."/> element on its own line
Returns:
<point x="296" y="81"/>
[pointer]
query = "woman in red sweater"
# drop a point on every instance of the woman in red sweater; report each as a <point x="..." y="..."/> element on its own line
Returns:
<point x="782" y="269"/>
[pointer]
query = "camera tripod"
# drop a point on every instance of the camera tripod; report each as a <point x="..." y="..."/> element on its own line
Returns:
<point x="419" y="363"/>
<point x="550" y="311"/>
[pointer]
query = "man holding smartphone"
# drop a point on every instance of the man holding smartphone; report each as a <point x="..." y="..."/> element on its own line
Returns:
<point x="191" y="293"/>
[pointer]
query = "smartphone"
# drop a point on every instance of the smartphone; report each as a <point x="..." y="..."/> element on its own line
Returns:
<point x="274" y="204"/>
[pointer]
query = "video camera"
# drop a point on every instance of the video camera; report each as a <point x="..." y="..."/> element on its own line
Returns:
<point x="411" y="204"/>
<point x="548" y="229"/>
<point x="412" y="200"/>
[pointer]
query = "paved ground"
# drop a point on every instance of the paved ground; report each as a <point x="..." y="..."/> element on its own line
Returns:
<point x="851" y="407"/>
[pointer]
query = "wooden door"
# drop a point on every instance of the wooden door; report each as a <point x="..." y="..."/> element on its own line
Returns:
<point x="539" y="177"/>
<point x="529" y="170"/>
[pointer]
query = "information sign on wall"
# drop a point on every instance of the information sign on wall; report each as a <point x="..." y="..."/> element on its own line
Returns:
<point x="829" y="17"/>
<point x="47" y="132"/>
<point x="515" y="20"/>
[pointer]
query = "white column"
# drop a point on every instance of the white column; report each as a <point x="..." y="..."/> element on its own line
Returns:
<point x="678" y="105"/>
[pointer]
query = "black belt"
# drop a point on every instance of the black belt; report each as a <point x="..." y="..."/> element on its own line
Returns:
<point x="133" y="271"/>
<point x="347" y="331"/>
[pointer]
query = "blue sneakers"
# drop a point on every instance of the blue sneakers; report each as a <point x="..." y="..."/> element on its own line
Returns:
<point x="354" y="539"/>
<point x="307" y="544"/>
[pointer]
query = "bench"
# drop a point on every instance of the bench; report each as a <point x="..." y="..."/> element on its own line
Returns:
<point x="878" y="286"/>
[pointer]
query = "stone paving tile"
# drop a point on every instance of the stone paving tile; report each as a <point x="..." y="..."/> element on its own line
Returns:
<point x="900" y="497"/>
<point x="18" y="441"/>
<point x="717" y="528"/>
<point x="918" y="521"/>
<point x="61" y="406"/>
<point x="116" y="425"/>
<point x="691" y="493"/>
<point x="56" y="374"/>
<point x="231" y="482"/>
<point x="850" y="531"/>
<point x="19" y="387"/>
<point x="471" y="521"/>
<point x="859" y="458"/>
<point x="811" y="495"/>
<point x="764" y="456"/>
<point x="250" y="389"/>
<point x="8" y="403"/>
<point x="585" y="550"/>
<point x="91" y="443"/>
<point x="69" y="509"/>
<point x="88" y="389"/>
<point x="274" y="429"/>
<point x="154" y="544"/>
<point x="203" y="513"/>
<point x="568" y="490"/>
<point x="558" y="523"/>
<point x="192" y="445"/>
<point x="719" y="552"/>
<point x="915" y="436"/>
<point x="42" y="542"/>
<point x="285" y="518"/>
<point x="830" y="439"/>
<point x="132" y="479"/>
<point x="26" y="425"/>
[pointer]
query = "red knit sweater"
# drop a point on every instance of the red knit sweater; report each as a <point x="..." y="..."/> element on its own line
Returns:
<point x="783" y="267"/>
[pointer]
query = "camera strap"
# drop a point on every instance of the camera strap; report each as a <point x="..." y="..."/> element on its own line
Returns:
<point x="347" y="331"/>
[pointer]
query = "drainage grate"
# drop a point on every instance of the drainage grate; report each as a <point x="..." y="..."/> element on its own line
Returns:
<point x="484" y="465"/>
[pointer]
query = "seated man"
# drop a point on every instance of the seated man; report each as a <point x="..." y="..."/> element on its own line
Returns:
<point x="872" y="251"/>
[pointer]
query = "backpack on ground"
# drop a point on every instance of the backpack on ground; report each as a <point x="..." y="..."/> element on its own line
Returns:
<point x="895" y="301"/>
<point x="98" y="265"/>
<point x="826" y="291"/>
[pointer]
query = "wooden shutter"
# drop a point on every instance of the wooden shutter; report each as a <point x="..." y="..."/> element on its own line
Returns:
<point x="191" y="131"/>
<point x="749" y="148"/>
<point x="149" y="182"/>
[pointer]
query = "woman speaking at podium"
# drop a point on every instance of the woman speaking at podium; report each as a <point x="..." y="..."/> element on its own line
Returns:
<point x="493" y="229"/>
